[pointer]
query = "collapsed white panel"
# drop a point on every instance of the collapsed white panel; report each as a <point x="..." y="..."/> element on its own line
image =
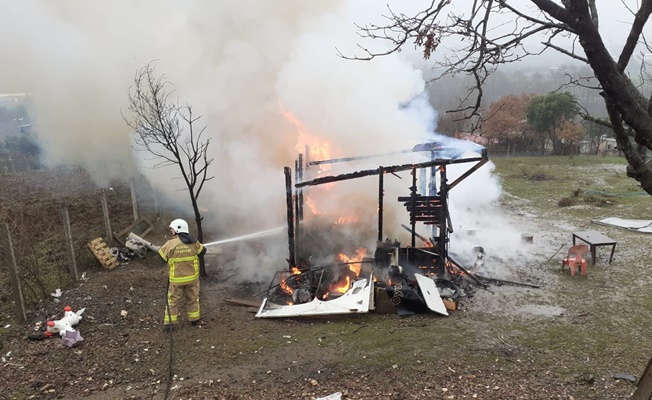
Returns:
<point x="638" y="225"/>
<point x="355" y="300"/>
<point x="431" y="294"/>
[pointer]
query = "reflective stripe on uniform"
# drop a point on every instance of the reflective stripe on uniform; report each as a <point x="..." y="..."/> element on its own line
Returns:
<point x="192" y="316"/>
<point x="167" y="320"/>
<point x="183" y="279"/>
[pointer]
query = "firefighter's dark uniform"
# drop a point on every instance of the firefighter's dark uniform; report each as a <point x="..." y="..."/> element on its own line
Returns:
<point x="182" y="256"/>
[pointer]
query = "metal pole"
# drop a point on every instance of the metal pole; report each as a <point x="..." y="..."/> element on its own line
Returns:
<point x="107" y="221"/>
<point x="134" y="201"/>
<point x="68" y="232"/>
<point x="19" y="298"/>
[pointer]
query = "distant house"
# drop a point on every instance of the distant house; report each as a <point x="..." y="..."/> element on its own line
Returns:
<point x="11" y="99"/>
<point x="25" y="129"/>
<point x="607" y="147"/>
<point x="586" y="147"/>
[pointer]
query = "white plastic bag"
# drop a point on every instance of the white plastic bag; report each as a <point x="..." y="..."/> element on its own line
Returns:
<point x="334" y="396"/>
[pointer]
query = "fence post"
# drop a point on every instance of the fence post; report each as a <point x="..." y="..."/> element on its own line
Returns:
<point x="157" y="203"/>
<point x="17" y="286"/>
<point x="644" y="388"/>
<point x="134" y="201"/>
<point x="107" y="221"/>
<point x="68" y="232"/>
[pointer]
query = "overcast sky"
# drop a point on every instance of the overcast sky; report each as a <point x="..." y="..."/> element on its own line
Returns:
<point x="616" y="21"/>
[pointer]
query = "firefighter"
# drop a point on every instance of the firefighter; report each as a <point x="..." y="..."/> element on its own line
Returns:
<point x="182" y="253"/>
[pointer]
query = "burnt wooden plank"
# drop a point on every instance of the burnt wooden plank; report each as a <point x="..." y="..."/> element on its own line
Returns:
<point x="241" y="302"/>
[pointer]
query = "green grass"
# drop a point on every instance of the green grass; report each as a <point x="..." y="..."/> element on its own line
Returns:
<point x="598" y="185"/>
<point x="605" y="329"/>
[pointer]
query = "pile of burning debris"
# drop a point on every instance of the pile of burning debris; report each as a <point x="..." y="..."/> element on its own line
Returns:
<point x="416" y="278"/>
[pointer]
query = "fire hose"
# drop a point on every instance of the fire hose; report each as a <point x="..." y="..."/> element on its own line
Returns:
<point x="154" y="248"/>
<point x="167" y="310"/>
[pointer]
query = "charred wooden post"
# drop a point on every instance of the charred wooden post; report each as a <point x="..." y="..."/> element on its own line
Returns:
<point x="442" y="243"/>
<point x="432" y="187"/>
<point x="467" y="173"/>
<point x="467" y="273"/>
<point x="381" y="190"/>
<point x="297" y="232"/>
<point x="422" y="182"/>
<point x="424" y="239"/>
<point x="413" y="207"/>
<point x="300" y="190"/>
<point x="290" y="214"/>
<point x="503" y="281"/>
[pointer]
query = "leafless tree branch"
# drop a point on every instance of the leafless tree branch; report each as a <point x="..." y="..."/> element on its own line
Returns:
<point x="482" y="44"/>
<point x="167" y="131"/>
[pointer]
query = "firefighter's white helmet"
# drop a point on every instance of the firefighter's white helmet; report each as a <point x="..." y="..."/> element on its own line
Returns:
<point x="179" y="226"/>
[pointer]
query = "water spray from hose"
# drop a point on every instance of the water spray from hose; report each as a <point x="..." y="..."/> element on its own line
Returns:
<point x="255" y="235"/>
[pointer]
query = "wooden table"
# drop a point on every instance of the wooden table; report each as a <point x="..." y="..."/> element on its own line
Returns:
<point x="595" y="239"/>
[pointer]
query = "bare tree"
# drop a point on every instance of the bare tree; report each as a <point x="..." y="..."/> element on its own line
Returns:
<point x="168" y="131"/>
<point x="488" y="33"/>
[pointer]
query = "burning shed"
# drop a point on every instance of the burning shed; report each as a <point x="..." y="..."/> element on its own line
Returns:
<point x="328" y="274"/>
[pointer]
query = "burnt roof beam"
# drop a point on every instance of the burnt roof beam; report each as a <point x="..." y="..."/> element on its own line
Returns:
<point x="389" y="169"/>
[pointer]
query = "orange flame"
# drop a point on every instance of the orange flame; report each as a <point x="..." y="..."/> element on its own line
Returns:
<point x="356" y="261"/>
<point x="344" y="283"/>
<point x="347" y="220"/>
<point x="284" y="286"/>
<point x="311" y="205"/>
<point x="317" y="149"/>
<point x="342" y="286"/>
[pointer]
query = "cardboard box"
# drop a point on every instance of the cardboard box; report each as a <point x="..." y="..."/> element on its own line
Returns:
<point x="450" y="304"/>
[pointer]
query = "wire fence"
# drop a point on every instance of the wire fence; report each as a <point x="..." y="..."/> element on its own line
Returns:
<point x="47" y="219"/>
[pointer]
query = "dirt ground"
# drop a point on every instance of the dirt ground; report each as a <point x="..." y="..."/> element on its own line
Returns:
<point x="233" y="355"/>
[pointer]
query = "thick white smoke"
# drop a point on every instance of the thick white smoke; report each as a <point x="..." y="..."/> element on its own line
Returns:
<point x="243" y="65"/>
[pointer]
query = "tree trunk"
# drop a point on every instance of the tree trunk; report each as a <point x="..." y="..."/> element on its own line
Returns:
<point x="200" y="233"/>
<point x="625" y="104"/>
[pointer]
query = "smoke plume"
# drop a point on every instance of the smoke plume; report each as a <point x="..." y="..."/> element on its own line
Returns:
<point x="265" y="76"/>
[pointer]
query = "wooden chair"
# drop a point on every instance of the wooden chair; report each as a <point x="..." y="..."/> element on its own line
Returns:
<point x="575" y="259"/>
